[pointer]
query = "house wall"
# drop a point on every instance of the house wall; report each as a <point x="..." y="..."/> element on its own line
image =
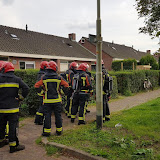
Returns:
<point x="106" y="58"/>
<point x="17" y="60"/>
<point x="107" y="61"/>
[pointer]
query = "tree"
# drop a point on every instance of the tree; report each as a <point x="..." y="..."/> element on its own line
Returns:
<point x="149" y="59"/>
<point x="150" y="10"/>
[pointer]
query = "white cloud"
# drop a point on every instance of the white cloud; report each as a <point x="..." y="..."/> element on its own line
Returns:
<point x="59" y="17"/>
<point x="8" y="16"/>
<point x="7" y="2"/>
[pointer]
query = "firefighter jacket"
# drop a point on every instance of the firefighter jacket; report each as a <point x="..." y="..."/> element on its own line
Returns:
<point x="9" y="86"/>
<point x="105" y="75"/>
<point x="85" y="82"/>
<point x="51" y="83"/>
<point x="39" y="76"/>
<point x="69" y="76"/>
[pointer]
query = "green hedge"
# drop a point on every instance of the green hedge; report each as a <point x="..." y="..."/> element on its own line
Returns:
<point x="114" y="93"/>
<point x="123" y="82"/>
<point x="127" y="64"/>
<point x="31" y="103"/>
<point x="132" y="82"/>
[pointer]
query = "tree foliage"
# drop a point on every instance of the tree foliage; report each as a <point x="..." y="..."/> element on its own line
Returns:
<point x="150" y="10"/>
<point x="149" y="59"/>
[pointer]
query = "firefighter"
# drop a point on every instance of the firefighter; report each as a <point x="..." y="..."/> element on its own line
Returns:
<point x="89" y="95"/>
<point x="51" y="83"/>
<point x="39" y="114"/>
<point x="7" y="126"/>
<point x="81" y="93"/>
<point x="9" y="105"/>
<point x="106" y="94"/>
<point x="69" y="77"/>
<point x="2" y="67"/>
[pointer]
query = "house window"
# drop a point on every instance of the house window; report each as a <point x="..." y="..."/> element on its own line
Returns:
<point x="3" y="58"/>
<point x="27" y="64"/>
<point x="63" y="65"/>
<point x="93" y="67"/>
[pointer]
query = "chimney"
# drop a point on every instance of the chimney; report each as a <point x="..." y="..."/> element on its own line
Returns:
<point x="92" y="38"/>
<point x="72" y="36"/>
<point x="26" y="28"/>
<point x="148" y="51"/>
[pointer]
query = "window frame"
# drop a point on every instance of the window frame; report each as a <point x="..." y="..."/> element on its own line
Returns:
<point x="27" y="62"/>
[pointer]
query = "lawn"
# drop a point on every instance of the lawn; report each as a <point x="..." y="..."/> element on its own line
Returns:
<point x="130" y="135"/>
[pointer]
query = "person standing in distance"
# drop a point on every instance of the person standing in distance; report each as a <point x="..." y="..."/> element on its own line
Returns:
<point x="106" y="94"/>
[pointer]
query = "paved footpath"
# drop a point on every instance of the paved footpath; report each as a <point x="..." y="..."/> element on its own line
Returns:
<point x="29" y="132"/>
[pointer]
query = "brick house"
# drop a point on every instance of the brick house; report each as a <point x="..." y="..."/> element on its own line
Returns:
<point x="111" y="51"/>
<point x="26" y="49"/>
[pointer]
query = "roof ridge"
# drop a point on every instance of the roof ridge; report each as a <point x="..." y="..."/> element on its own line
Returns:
<point x="33" y="31"/>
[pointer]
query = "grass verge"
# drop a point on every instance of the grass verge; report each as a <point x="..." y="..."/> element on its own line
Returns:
<point x="130" y="135"/>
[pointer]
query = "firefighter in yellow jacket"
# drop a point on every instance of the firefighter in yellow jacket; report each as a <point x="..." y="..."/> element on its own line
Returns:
<point x="9" y="105"/>
<point x="51" y="83"/>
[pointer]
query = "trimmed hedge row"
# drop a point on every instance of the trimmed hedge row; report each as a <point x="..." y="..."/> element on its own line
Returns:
<point x="114" y="93"/>
<point x="132" y="81"/>
<point x="31" y="103"/>
<point x="123" y="82"/>
<point x="127" y="64"/>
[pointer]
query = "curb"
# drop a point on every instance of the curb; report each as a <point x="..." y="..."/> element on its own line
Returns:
<point x="74" y="152"/>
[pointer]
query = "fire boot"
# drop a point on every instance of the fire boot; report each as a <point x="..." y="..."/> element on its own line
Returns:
<point x="3" y="143"/>
<point x="81" y="122"/>
<point x="16" y="148"/>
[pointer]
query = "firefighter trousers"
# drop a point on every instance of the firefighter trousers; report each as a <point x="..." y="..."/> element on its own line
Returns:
<point x="79" y="102"/>
<point x="56" y="108"/>
<point x="69" y="103"/>
<point x="13" y="119"/>
<point x="39" y="114"/>
<point x="106" y="111"/>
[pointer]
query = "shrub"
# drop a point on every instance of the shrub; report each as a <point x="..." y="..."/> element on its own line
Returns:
<point x="114" y="93"/>
<point x="31" y="102"/>
<point x="116" y="65"/>
<point x="127" y="64"/>
<point x="123" y="82"/>
<point x="132" y="82"/>
<point x="149" y="59"/>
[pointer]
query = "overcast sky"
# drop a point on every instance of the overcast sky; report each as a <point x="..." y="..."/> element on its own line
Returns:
<point x="120" y="21"/>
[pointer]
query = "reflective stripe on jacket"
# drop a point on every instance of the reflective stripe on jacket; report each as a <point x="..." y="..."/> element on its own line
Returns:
<point x="105" y="75"/>
<point x="51" y="83"/>
<point x="9" y="87"/>
<point x="85" y="84"/>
